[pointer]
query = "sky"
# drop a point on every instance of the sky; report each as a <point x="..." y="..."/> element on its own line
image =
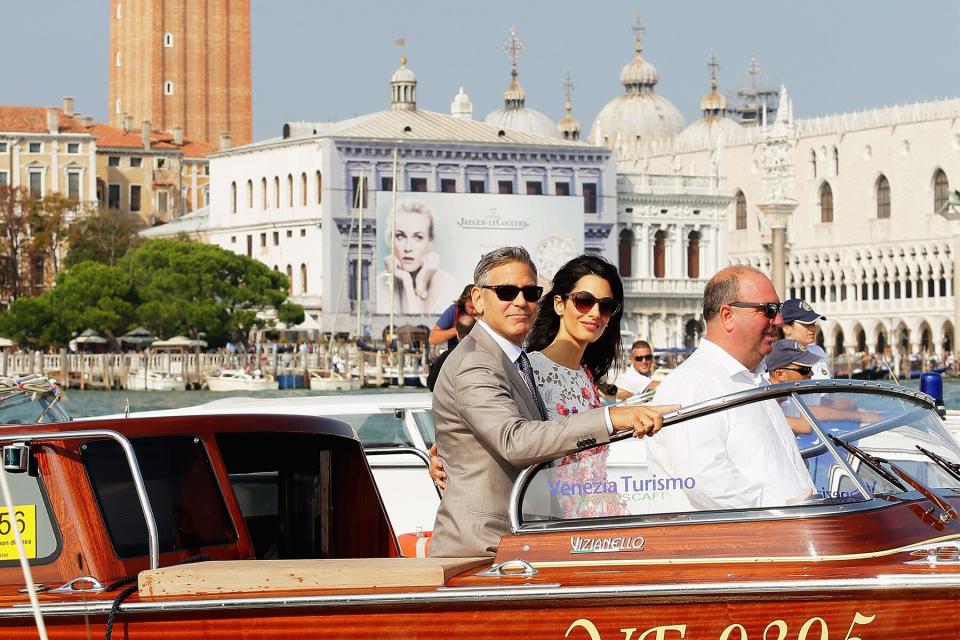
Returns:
<point x="320" y="60"/>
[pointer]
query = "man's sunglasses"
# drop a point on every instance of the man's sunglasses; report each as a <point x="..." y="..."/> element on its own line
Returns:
<point x="803" y="371"/>
<point x="584" y="301"/>
<point x="770" y="309"/>
<point x="508" y="292"/>
<point x="643" y="358"/>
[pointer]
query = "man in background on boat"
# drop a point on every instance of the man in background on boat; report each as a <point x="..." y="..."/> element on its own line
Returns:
<point x="638" y="376"/>
<point x="491" y="420"/>
<point x="444" y="330"/>
<point x="800" y="324"/>
<point x="748" y="456"/>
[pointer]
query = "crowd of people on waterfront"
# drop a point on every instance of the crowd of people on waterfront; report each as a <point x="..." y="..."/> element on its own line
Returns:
<point x="527" y="382"/>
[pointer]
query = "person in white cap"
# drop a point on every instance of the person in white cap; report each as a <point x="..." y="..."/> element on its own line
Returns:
<point x="800" y="324"/>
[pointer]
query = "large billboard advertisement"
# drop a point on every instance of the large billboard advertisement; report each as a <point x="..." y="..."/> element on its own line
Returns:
<point x="439" y="237"/>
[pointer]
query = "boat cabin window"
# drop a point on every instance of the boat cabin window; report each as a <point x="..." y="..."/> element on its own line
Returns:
<point x="847" y="444"/>
<point x="183" y="491"/>
<point x="305" y="495"/>
<point x="32" y="517"/>
<point x="379" y="429"/>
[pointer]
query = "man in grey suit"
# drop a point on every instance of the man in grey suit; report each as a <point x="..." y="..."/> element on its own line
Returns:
<point x="490" y="420"/>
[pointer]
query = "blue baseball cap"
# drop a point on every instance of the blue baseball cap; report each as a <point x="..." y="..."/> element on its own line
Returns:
<point x="786" y="352"/>
<point x="797" y="310"/>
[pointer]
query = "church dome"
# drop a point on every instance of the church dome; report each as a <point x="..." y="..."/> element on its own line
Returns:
<point x="403" y="88"/>
<point x="515" y="115"/>
<point x="403" y="74"/>
<point x="714" y="121"/>
<point x="639" y="114"/>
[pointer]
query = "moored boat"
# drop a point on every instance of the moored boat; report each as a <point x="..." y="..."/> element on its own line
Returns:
<point x="327" y="380"/>
<point x="149" y="380"/>
<point x="239" y="380"/>
<point x="299" y="543"/>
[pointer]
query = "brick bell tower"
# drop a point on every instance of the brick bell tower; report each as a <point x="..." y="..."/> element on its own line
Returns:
<point x="182" y="63"/>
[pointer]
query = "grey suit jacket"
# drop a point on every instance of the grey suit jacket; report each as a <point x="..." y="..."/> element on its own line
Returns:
<point x="488" y="430"/>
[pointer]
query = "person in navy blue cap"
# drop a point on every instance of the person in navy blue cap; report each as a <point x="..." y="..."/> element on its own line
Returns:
<point x="800" y="324"/>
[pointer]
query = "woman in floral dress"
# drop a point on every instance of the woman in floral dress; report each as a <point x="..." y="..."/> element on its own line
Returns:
<point x="574" y="341"/>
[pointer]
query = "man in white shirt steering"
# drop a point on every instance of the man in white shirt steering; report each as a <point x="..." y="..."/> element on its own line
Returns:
<point x="743" y="457"/>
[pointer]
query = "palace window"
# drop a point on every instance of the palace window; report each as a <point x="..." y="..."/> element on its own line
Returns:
<point x="290" y="190"/>
<point x="693" y="254"/>
<point x="3" y="147"/>
<point x="386" y="183"/>
<point x="625" y="253"/>
<point x="660" y="254"/>
<point x="73" y="147"/>
<point x="835" y="160"/>
<point x="4" y="179"/>
<point x="113" y="161"/>
<point x="136" y="162"/>
<point x="418" y="184"/>
<point x="319" y="181"/>
<point x="359" y="192"/>
<point x="250" y="194"/>
<point x="589" y="197"/>
<point x="303" y="189"/>
<point x="36" y="184"/>
<point x="448" y="185"/>
<point x="883" y="197"/>
<point x="263" y="193"/>
<point x="233" y="197"/>
<point x="303" y="279"/>
<point x="276" y="192"/>
<point x="364" y="279"/>
<point x="113" y="196"/>
<point x="534" y="188"/>
<point x="826" y="203"/>
<point x="562" y="188"/>
<point x="478" y="186"/>
<point x="35" y="147"/>
<point x="505" y="186"/>
<point x="741" y="204"/>
<point x="941" y="189"/>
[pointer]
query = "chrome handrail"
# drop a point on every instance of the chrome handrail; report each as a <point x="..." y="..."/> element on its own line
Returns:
<point x="768" y="392"/>
<point x="152" y="535"/>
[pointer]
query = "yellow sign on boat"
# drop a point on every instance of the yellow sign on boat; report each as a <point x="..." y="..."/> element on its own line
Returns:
<point x="26" y="522"/>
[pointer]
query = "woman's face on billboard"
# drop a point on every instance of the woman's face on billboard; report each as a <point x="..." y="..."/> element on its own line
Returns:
<point x="412" y="239"/>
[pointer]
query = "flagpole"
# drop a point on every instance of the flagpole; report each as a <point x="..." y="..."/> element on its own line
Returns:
<point x="393" y="244"/>
<point x="362" y="187"/>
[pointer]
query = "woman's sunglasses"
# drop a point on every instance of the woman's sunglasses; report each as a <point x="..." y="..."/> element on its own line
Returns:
<point x="508" y="292"/>
<point x="583" y="302"/>
<point x="770" y="309"/>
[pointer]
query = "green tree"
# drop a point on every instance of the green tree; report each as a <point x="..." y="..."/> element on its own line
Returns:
<point x="31" y="322"/>
<point x="290" y="314"/>
<point x="186" y="288"/>
<point x="106" y="236"/>
<point x="96" y="296"/>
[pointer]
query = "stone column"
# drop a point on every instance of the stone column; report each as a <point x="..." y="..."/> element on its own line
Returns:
<point x="776" y="215"/>
<point x="643" y="244"/>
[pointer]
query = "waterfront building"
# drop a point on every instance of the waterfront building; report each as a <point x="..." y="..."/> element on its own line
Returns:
<point x="294" y="201"/>
<point x="855" y="194"/>
<point x="155" y="175"/>
<point x="44" y="150"/>
<point x="182" y="65"/>
<point x="671" y="226"/>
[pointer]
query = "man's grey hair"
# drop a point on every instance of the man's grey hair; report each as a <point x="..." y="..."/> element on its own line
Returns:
<point x="724" y="288"/>
<point x="497" y="257"/>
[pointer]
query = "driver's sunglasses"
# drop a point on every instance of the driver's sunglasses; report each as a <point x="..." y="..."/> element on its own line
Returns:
<point x="583" y="301"/>
<point x="770" y="309"/>
<point x="508" y="292"/>
<point x="803" y="371"/>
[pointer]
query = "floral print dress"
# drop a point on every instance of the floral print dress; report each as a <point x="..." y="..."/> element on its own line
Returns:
<point x="568" y="391"/>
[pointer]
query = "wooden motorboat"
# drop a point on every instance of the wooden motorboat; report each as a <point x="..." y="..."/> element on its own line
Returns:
<point x="291" y="539"/>
<point x="240" y="380"/>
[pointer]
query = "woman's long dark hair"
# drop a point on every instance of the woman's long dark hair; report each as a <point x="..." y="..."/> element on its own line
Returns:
<point x="599" y="355"/>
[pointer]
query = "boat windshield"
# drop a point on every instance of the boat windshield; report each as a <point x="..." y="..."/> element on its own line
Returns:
<point x="30" y="400"/>
<point x="820" y="446"/>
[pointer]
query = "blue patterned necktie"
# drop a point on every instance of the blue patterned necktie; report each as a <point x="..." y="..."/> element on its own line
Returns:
<point x="527" y="371"/>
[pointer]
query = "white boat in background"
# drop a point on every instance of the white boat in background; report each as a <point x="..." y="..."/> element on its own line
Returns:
<point x="140" y="380"/>
<point x="326" y="380"/>
<point x="239" y="380"/>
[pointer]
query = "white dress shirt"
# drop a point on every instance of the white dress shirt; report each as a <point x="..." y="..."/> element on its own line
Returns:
<point x="740" y="458"/>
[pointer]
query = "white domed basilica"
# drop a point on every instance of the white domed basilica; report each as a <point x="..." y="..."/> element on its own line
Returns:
<point x="515" y="115"/>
